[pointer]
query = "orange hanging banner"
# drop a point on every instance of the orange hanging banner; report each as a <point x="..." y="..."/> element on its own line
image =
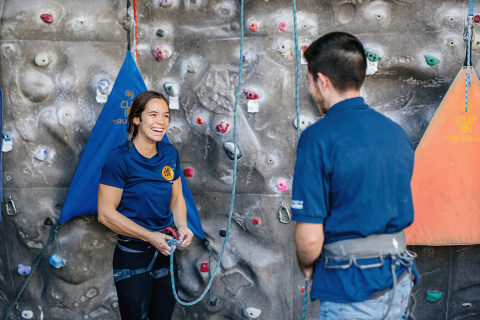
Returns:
<point x="446" y="176"/>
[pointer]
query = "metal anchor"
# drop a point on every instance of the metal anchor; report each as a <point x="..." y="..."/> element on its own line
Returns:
<point x="282" y="211"/>
<point x="13" y="206"/>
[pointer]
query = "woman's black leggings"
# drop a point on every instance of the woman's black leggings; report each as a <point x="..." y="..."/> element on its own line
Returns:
<point x="141" y="296"/>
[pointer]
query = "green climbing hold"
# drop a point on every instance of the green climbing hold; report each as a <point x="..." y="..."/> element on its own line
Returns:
<point x="373" y="55"/>
<point x="431" y="60"/>
<point x="433" y="296"/>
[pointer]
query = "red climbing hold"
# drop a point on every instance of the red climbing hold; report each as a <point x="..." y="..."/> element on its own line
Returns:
<point x="204" y="267"/>
<point x="282" y="26"/>
<point x="476" y="19"/>
<point x="200" y="120"/>
<point x="304" y="47"/>
<point x="48" y="18"/>
<point x="256" y="221"/>
<point x="188" y="172"/>
<point x="254" y="26"/>
<point x="303" y="290"/>
<point x="251" y="94"/>
<point x="222" y="126"/>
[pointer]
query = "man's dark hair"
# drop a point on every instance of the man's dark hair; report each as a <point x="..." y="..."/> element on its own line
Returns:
<point x="339" y="56"/>
<point x="138" y="106"/>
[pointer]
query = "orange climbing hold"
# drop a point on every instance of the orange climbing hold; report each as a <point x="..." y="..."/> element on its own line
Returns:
<point x="446" y="176"/>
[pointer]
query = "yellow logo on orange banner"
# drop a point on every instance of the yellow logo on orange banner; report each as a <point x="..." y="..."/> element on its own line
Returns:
<point x="167" y="173"/>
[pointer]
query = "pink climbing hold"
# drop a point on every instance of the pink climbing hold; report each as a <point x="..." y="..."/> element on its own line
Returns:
<point x="254" y="26"/>
<point x="251" y="94"/>
<point x="476" y="19"/>
<point x="48" y="18"/>
<point x="162" y="52"/>
<point x="200" y="120"/>
<point x="282" y="26"/>
<point x="282" y="185"/>
<point x="188" y="172"/>
<point x="166" y="3"/>
<point x="204" y="267"/>
<point x="222" y="126"/>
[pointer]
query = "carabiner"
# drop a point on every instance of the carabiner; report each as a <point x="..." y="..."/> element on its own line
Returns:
<point x="287" y="212"/>
<point x="13" y="206"/>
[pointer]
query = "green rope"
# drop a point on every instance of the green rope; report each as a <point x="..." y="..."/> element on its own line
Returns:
<point x="53" y="235"/>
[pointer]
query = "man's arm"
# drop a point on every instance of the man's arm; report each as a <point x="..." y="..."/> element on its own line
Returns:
<point x="309" y="242"/>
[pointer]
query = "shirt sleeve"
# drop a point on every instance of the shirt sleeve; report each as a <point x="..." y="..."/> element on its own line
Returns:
<point x="178" y="169"/>
<point x="114" y="171"/>
<point x="310" y="188"/>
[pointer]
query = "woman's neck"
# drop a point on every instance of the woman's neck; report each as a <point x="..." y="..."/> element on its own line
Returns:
<point x="147" y="150"/>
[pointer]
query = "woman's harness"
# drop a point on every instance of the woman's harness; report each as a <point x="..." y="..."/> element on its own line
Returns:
<point x="380" y="246"/>
<point x="120" y="274"/>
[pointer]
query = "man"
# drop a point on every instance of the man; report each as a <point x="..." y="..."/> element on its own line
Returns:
<point x="351" y="193"/>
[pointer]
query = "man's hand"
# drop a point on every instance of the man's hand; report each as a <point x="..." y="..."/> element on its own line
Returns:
<point x="309" y="243"/>
<point x="185" y="236"/>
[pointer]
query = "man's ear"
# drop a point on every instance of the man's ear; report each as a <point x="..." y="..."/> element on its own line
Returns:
<point x="322" y="81"/>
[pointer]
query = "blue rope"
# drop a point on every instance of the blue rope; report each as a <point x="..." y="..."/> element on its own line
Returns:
<point x="468" y="78"/>
<point x="173" y="242"/>
<point x="297" y="57"/>
<point x="470" y="7"/>
<point x="297" y="104"/>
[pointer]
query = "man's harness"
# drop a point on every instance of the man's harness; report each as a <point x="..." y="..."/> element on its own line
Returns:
<point x="380" y="246"/>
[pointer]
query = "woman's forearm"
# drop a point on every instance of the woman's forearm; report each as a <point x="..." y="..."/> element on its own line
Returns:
<point x="179" y="210"/>
<point x="120" y="224"/>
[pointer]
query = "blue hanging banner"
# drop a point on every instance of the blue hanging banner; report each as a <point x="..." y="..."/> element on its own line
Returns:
<point x="1" y="146"/>
<point x="109" y="132"/>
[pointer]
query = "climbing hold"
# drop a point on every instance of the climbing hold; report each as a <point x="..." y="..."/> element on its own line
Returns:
<point x="57" y="261"/>
<point x="282" y="26"/>
<point x="24" y="270"/>
<point x="103" y="85"/>
<point x="252" y="106"/>
<point x="373" y="55"/>
<point x="433" y="296"/>
<point x="303" y="122"/>
<point x="43" y="154"/>
<point x="468" y="305"/>
<point x="282" y="185"/>
<point x="229" y="150"/>
<point x="41" y="59"/>
<point x="285" y="49"/>
<point x="7" y="142"/>
<point x="160" y="33"/>
<point x="204" y="267"/>
<point x="200" y="120"/>
<point x="188" y="172"/>
<point x="222" y="126"/>
<point x="213" y="302"/>
<point x="171" y="89"/>
<point x="304" y="47"/>
<point x="161" y="52"/>
<point x="476" y="19"/>
<point x="431" y="60"/>
<point x="256" y="221"/>
<point x="166" y="3"/>
<point x="222" y="233"/>
<point x="48" y="222"/>
<point x="476" y="42"/>
<point x="245" y="57"/>
<point x="192" y="66"/>
<point x="254" y="26"/>
<point x="251" y="94"/>
<point x="27" y="314"/>
<point x="252" y="312"/>
<point x="48" y="18"/>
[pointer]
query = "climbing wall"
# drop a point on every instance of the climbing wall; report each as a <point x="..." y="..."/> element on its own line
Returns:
<point x="59" y="60"/>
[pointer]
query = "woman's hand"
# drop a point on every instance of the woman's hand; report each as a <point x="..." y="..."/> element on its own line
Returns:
<point x="159" y="241"/>
<point x="185" y="236"/>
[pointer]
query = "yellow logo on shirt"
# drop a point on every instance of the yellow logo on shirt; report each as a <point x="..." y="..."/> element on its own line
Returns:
<point x="167" y="173"/>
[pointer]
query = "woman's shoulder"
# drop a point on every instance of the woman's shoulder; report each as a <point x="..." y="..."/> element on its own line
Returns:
<point x="167" y="147"/>
<point x="120" y="153"/>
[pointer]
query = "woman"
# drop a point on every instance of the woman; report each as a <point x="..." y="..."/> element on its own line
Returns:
<point x="139" y="197"/>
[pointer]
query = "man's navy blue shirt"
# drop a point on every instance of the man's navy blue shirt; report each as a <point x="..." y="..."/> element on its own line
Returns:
<point x="146" y="183"/>
<point x="352" y="175"/>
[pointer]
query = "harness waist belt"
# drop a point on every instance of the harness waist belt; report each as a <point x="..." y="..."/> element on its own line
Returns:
<point x="373" y="246"/>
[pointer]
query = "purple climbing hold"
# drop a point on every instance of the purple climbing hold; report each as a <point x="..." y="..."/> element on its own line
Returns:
<point x="24" y="270"/>
<point x="166" y="3"/>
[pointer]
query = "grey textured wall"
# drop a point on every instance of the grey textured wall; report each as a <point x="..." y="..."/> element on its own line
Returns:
<point x="54" y="106"/>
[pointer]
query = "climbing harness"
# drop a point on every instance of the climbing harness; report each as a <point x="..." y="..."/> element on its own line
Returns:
<point x="468" y="35"/>
<point x="283" y="211"/>
<point x="346" y="253"/>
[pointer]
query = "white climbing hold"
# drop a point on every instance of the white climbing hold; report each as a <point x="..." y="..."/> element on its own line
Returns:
<point x="41" y="59"/>
<point x="476" y="42"/>
<point x="43" y="154"/>
<point x="303" y="122"/>
<point x="285" y="48"/>
<point x="27" y="314"/>
<point x="192" y="66"/>
<point x="253" y="312"/>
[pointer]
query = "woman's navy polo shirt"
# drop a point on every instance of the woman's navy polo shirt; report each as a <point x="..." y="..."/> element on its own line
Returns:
<point x="146" y="183"/>
<point x="352" y="174"/>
